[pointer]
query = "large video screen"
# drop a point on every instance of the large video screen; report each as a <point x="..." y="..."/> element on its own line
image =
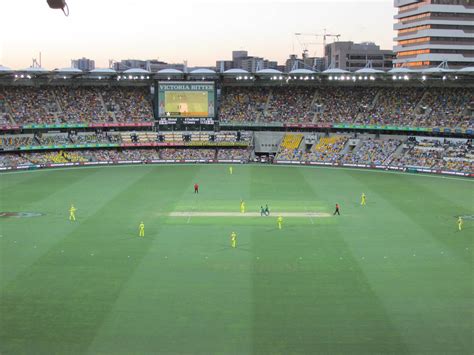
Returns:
<point x="184" y="99"/>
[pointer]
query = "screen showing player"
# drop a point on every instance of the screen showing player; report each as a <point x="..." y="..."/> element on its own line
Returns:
<point x="183" y="99"/>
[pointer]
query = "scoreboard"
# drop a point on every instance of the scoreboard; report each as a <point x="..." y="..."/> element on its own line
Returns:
<point x="186" y="100"/>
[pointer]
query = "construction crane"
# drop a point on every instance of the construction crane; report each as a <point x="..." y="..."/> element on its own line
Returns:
<point x="324" y="35"/>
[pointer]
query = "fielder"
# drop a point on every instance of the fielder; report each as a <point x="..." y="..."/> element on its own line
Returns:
<point x="242" y="206"/>
<point x="233" y="240"/>
<point x="460" y="223"/>
<point x="141" y="230"/>
<point x="72" y="213"/>
<point x="362" y="199"/>
<point x="231" y="170"/>
<point x="280" y="222"/>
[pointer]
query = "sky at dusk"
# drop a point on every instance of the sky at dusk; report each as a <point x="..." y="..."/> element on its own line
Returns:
<point x="173" y="31"/>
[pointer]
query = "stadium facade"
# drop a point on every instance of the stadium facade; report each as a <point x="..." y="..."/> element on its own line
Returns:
<point x="431" y="32"/>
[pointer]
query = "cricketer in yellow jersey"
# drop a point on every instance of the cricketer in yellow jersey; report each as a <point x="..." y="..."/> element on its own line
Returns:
<point x="141" y="230"/>
<point x="280" y="222"/>
<point x="72" y="213"/>
<point x="231" y="170"/>
<point x="242" y="206"/>
<point x="460" y="223"/>
<point x="363" y="199"/>
<point x="233" y="240"/>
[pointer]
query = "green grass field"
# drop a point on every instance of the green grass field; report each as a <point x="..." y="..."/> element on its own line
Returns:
<point x="394" y="276"/>
<point x="187" y="102"/>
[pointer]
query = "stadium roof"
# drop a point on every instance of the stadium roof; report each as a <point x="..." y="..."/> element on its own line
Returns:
<point x="302" y="71"/>
<point x="35" y="70"/>
<point x="203" y="71"/>
<point x="136" y="71"/>
<point x="5" y="69"/>
<point x="335" y="71"/>
<point x="467" y="70"/>
<point x="170" y="71"/>
<point x="269" y="71"/>
<point x="236" y="71"/>
<point x="400" y="71"/>
<point x="369" y="71"/>
<point x="68" y="71"/>
<point x="437" y="70"/>
<point x="106" y="71"/>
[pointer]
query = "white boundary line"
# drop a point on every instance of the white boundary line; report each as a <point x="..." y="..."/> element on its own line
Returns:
<point x="426" y="175"/>
<point x="311" y="217"/>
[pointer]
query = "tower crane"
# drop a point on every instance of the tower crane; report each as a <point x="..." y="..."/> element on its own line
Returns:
<point x="324" y="36"/>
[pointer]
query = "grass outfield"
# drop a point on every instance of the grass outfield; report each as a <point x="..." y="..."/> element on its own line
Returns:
<point x="394" y="276"/>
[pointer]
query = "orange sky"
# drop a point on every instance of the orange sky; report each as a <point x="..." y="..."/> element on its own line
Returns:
<point x="172" y="31"/>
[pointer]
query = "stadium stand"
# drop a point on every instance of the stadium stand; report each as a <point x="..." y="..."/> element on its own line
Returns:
<point x="432" y="108"/>
<point x="243" y="104"/>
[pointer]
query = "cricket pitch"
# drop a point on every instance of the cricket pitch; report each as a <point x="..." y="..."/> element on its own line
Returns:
<point x="250" y="214"/>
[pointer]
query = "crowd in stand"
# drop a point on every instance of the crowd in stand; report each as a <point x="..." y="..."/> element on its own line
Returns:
<point x="190" y="154"/>
<point x="372" y="151"/>
<point x="328" y="149"/>
<point x="128" y="104"/>
<point x="65" y="104"/>
<point x="243" y="104"/>
<point x="29" y="105"/>
<point x="393" y="107"/>
<point x="343" y="104"/>
<point x="291" y="105"/>
<point x="438" y="155"/>
<point x="109" y="155"/>
<point x="402" y="106"/>
<point x="428" y="153"/>
<point x="9" y="142"/>
<point x="234" y="154"/>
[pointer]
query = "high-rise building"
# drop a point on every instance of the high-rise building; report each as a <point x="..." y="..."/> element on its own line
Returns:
<point x="83" y="64"/>
<point x="354" y="56"/>
<point x="153" y="65"/>
<point x="242" y="60"/>
<point x="430" y="32"/>
<point x="311" y="63"/>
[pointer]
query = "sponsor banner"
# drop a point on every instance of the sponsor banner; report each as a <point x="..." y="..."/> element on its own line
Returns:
<point x="171" y="161"/>
<point x="9" y="127"/>
<point x="125" y="124"/>
<point x="85" y="125"/>
<point x="228" y="161"/>
<point x="55" y="126"/>
<point x="68" y="146"/>
<point x="307" y="125"/>
<point x="384" y="127"/>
